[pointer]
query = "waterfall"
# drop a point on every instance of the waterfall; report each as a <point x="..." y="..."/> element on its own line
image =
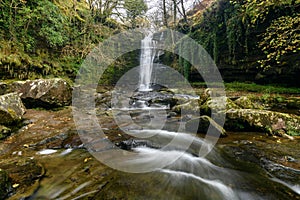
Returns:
<point x="147" y="56"/>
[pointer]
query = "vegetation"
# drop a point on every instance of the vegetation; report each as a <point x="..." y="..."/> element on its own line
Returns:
<point x="51" y="38"/>
<point x="258" y="39"/>
<point x="253" y="87"/>
<point x="251" y="35"/>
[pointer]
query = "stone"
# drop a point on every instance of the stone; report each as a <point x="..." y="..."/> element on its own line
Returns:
<point x="273" y="123"/>
<point x="45" y="93"/>
<point x="203" y="123"/>
<point x="11" y="109"/>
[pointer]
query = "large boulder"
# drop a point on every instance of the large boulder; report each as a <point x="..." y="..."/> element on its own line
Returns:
<point x="46" y="93"/>
<point x="274" y="123"/>
<point x="11" y="109"/>
<point x="217" y="104"/>
<point x="202" y="124"/>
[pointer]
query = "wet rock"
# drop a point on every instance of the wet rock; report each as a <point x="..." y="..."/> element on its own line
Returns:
<point x="282" y="172"/>
<point x="5" y="184"/>
<point x="45" y="93"/>
<point x="11" y="109"/>
<point x="202" y="124"/>
<point x="70" y="139"/>
<point x="131" y="143"/>
<point x="4" y="132"/>
<point x="247" y="103"/>
<point x="262" y="120"/>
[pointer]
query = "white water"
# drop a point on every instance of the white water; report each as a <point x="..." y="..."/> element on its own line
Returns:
<point x="146" y="62"/>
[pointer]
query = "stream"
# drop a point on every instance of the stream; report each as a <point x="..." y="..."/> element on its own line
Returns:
<point x="240" y="166"/>
<point x="48" y="159"/>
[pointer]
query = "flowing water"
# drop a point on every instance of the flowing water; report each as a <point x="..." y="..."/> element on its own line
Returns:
<point x="232" y="170"/>
<point x="148" y="53"/>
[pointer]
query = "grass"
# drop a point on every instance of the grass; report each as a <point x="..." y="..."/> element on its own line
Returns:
<point x="253" y="87"/>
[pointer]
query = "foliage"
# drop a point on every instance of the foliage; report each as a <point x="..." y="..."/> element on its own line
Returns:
<point x="42" y="38"/>
<point x="282" y="38"/>
<point x="267" y="89"/>
<point x="261" y="36"/>
<point x="134" y="9"/>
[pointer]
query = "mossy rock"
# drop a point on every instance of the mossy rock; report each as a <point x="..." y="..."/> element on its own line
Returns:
<point x="218" y="104"/>
<point x="273" y="123"/>
<point x="247" y="103"/>
<point x="11" y="109"/>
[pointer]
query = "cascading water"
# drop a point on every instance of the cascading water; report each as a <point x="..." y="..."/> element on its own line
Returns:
<point x="146" y="62"/>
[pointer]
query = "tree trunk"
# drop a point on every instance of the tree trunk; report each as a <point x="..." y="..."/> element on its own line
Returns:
<point x="165" y="20"/>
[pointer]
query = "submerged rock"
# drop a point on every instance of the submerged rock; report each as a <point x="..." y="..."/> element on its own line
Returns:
<point x="202" y="124"/>
<point x="46" y="93"/>
<point x="271" y="122"/>
<point x="11" y="109"/>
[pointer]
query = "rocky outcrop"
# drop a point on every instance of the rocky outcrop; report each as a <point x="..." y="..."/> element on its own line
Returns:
<point x="46" y="93"/>
<point x="11" y="109"/>
<point x="202" y="124"/>
<point x="274" y="123"/>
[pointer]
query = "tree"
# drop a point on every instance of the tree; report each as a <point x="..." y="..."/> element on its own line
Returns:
<point x="134" y="9"/>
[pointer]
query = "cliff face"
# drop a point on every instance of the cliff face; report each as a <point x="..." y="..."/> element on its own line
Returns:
<point x="255" y="41"/>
